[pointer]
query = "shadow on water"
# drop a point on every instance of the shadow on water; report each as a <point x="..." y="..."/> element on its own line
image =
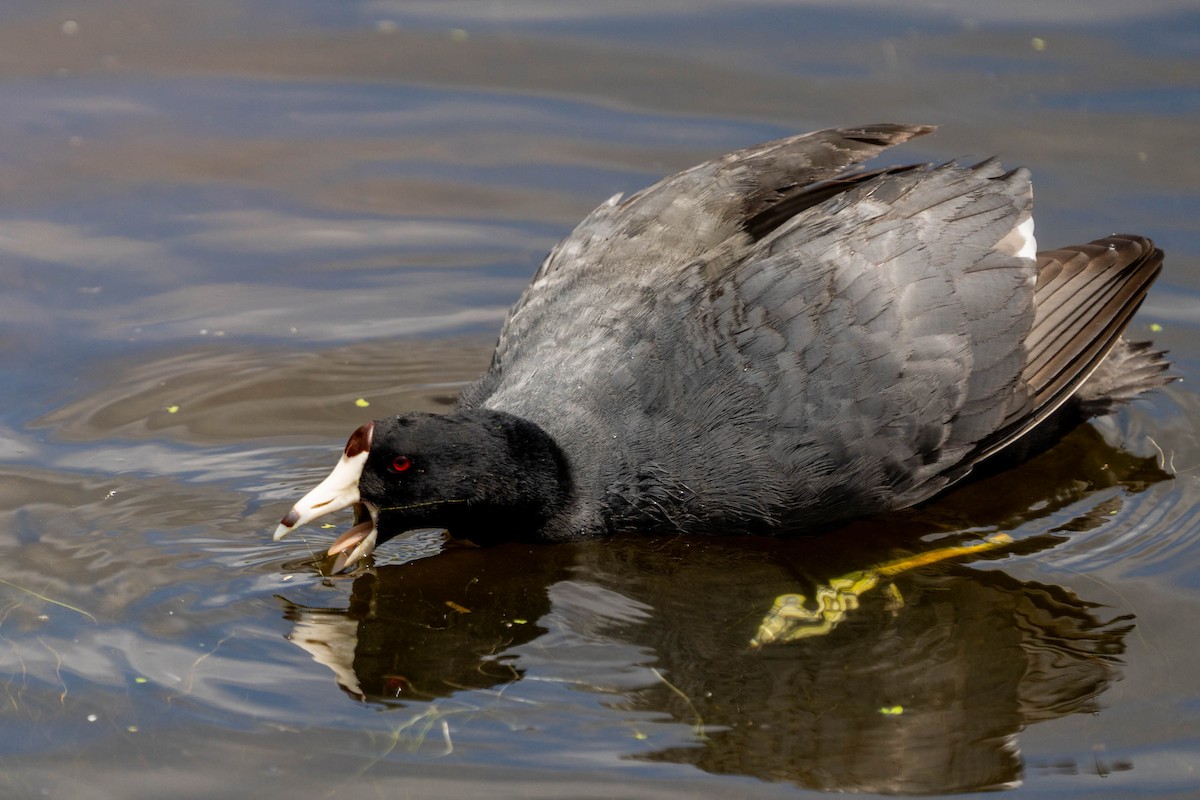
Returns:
<point x="924" y="687"/>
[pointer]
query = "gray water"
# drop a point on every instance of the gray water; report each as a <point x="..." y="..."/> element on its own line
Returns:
<point x="225" y="226"/>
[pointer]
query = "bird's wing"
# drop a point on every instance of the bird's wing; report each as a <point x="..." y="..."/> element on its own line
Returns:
<point x="640" y="243"/>
<point x="1085" y="296"/>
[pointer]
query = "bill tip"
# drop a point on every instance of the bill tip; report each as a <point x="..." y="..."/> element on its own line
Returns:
<point x="283" y="530"/>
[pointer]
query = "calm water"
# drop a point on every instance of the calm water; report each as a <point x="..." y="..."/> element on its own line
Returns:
<point x="224" y="224"/>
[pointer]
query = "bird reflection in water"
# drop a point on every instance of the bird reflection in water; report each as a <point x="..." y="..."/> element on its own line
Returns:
<point x="928" y="697"/>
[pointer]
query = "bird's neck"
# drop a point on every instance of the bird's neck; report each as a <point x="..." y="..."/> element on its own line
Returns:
<point x="530" y="486"/>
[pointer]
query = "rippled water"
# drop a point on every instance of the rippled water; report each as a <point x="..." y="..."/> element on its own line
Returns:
<point x="225" y="226"/>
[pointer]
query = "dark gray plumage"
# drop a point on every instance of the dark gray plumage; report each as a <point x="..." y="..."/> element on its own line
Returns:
<point x="773" y="340"/>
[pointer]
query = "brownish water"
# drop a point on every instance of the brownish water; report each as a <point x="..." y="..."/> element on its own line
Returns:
<point x="223" y="224"/>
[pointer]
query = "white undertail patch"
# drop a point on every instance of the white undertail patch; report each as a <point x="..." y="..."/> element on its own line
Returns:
<point x="1020" y="241"/>
<point x="1028" y="248"/>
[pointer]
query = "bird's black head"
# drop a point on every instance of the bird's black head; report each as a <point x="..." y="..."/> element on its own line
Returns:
<point x="485" y="475"/>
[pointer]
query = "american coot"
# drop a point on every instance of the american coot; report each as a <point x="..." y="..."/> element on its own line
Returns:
<point x="773" y="340"/>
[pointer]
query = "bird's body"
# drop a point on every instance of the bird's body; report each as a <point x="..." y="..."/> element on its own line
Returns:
<point x="771" y="341"/>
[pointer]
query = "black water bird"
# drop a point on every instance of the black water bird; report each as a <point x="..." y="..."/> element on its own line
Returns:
<point x="771" y="341"/>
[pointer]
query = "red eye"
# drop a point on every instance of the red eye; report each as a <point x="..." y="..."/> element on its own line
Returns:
<point x="400" y="464"/>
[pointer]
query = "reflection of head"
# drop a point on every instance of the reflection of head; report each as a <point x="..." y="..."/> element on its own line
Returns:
<point x="434" y="626"/>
